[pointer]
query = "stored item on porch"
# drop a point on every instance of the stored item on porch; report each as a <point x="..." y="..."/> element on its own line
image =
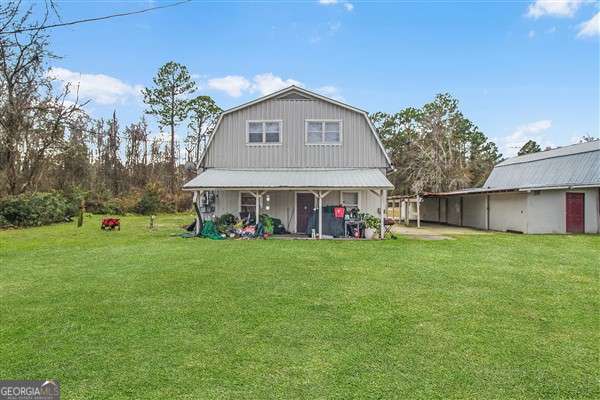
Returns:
<point x="339" y="212"/>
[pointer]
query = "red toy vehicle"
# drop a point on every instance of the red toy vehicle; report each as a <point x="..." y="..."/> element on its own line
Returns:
<point x="111" y="223"/>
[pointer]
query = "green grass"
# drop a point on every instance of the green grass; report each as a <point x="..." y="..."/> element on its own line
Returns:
<point x="145" y="314"/>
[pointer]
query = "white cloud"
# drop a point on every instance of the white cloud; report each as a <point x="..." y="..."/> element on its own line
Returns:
<point x="233" y="85"/>
<point x="264" y="84"/>
<point x="334" y="27"/>
<point x="100" y="88"/>
<point x="591" y="27"/>
<point x="510" y="144"/>
<point x="348" y="6"/>
<point x="269" y="83"/>
<point x="330" y="91"/>
<point x="554" y="8"/>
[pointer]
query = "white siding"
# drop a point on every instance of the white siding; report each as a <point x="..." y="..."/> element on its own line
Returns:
<point x="508" y="211"/>
<point x="547" y="211"/>
<point x="474" y="214"/>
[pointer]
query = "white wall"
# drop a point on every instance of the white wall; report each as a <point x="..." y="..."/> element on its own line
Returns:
<point x="453" y="211"/>
<point x="430" y="208"/>
<point x="474" y="214"/>
<point x="508" y="211"/>
<point x="547" y="211"/>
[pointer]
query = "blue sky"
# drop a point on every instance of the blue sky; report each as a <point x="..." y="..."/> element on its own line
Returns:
<point x="520" y="69"/>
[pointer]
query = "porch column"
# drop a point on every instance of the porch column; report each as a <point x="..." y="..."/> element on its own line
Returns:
<point x="418" y="211"/>
<point x="381" y="219"/>
<point x="257" y="197"/>
<point x="320" y="214"/>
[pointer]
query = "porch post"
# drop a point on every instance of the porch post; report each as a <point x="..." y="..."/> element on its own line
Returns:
<point x="320" y="215"/>
<point x="257" y="196"/>
<point x="381" y="220"/>
<point x="418" y="211"/>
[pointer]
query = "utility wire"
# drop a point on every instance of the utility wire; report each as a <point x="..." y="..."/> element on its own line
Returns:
<point x="81" y="21"/>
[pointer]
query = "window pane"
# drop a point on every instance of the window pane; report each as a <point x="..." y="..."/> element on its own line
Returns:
<point x="350" y="199"/>
<point x="315" y="126"/>
<point x="272" y="126"/>
<point x="272" y="137"/>
<point x="313" y="137"/>
<point x="332" y="126"/>
<point x="332" y="137"/>
<point x="255" y="127"/>
<point x="273" y="131"/>
<point x="255" y="137"/>
<point x="247" y="200"/>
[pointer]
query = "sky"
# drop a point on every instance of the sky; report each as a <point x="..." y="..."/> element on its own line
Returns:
<point x="520" y="69"/>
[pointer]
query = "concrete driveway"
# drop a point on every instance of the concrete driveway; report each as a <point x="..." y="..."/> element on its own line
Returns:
<point x="429" y="231"/>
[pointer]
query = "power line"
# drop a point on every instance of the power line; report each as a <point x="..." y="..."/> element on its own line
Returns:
<point x="81" y="21"/>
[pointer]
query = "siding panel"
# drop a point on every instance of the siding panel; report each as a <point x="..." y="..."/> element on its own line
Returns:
<point x="359" y="148"/>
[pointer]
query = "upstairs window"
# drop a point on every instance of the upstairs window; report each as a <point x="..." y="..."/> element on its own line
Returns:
<point x="323" y="132"/>
<point x="263" y="132"/>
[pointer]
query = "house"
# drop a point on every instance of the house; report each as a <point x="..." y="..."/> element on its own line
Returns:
<point x="289" y="154"/>
<point x="553" y="191"/>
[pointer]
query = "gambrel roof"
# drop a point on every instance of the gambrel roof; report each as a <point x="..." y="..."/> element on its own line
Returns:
<point x="575" y="165"/>
<point x="295" y="92"/>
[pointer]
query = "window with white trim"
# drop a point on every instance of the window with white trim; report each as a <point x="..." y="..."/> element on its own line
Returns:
<point x="263" y="132"/>
<point x="350" y="199"/>
<point x="247" y="203"/>
<point x="323" y="132"/>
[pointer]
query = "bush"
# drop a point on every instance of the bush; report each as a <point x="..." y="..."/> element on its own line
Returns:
<point x="150" y="201"/>
<point x="36" y="209"/>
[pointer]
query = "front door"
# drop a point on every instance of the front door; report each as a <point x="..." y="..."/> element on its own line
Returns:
<point x="575" y="216"/>
<point x="305" y="203"/>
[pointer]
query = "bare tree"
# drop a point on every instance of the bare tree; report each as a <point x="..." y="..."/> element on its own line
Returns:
<point x="32" y="118"/>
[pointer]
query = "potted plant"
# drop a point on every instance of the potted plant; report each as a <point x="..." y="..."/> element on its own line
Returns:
<point x="371" y="226"/>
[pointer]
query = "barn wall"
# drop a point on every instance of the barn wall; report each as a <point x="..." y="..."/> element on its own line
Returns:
<point x="592" y="210"/>
<point x="474" y="214"/>
<point x="429" y="209"/>
<point x="508" y="211"/>
<point x="547" y="211"/>
<point x="453" y="211"/>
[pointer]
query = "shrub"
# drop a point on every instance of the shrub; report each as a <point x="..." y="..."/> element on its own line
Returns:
<point x="36" y="209"/>
<point x="150" y="201"/>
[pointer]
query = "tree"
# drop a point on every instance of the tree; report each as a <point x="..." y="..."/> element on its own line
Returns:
<point x="587" y="139"/>
<point x="204" y="113"/>
<point x="168" y="102"/>
<point x="33" y="119"/>
<point x="435" y="148"/>
<point x="530" y="147"/>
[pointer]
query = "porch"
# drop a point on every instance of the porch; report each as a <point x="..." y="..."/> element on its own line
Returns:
<point x="294" y="196"/>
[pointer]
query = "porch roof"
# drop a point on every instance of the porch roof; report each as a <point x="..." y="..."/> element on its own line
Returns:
<point x="290" y="178"/>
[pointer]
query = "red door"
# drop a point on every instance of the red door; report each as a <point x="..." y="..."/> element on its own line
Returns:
<point x="305" y="202"/>
<point x="575" y="216"/>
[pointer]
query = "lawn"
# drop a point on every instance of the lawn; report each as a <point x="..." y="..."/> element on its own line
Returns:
<point x="145" y="314"/>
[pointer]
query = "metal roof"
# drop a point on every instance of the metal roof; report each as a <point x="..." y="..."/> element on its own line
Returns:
<point x="576" y="165"/>
<point x="292" y="178"/>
